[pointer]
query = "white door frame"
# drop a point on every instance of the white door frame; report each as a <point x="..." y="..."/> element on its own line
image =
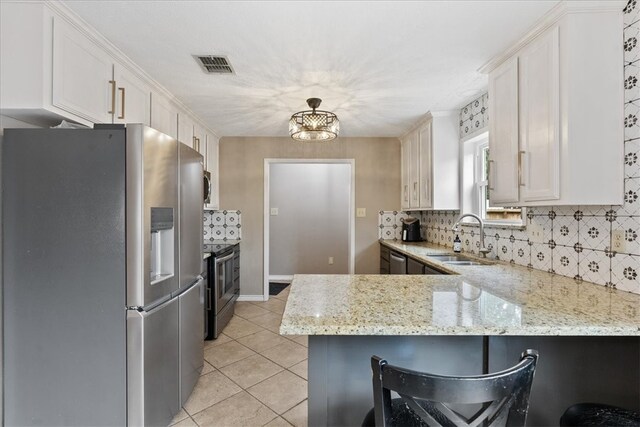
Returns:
<point x="352" y="204"/>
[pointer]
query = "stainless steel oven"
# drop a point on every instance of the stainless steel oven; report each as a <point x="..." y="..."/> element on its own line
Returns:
<point x="224" y="287"/>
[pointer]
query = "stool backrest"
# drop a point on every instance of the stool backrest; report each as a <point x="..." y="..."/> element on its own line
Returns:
<point x="504" y="395"/>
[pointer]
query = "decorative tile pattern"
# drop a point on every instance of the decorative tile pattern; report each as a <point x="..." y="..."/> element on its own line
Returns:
<point x="474" y="116"/>
<point x="222" y="225"/>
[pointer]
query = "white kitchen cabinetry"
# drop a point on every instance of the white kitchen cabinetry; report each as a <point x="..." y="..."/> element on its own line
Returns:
<point x="164" y="115"/>
<point x="556" y="111"/>
<point x="430" y="164"/>
<point x="52" y="69"/>
<point x="185" y="129"/>
<point x="82" y="75"/>
<point x="212" y="166"/>
<point x="132" y="99"/>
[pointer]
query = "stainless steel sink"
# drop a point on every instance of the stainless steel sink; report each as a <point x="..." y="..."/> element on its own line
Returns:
<point x="454" y="259"/>
<point x="449" y="258"/>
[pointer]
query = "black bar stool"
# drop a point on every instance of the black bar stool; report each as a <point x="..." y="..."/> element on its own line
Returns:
<point x="498" y="399"/>
<point x="597" y="414"/>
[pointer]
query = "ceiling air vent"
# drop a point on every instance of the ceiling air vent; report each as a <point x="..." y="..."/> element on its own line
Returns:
<point x="214" y="64"/>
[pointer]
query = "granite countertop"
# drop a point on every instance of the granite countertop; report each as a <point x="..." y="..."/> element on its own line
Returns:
<point x="496" y="299"/>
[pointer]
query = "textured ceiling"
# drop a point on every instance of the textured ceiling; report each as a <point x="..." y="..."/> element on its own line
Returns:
<point x="378" y="65"/>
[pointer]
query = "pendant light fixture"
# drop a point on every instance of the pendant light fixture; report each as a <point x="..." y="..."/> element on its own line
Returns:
<point x="314" y="124"/>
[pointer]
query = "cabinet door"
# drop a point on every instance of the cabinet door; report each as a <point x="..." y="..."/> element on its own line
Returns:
<point x="200" y="143"/>
<point x="185" y="129"/>
<point x="503" y="134"/>
<point x="82" y="75"/>
<point x="406" y="155"/>
<point x="213" y="167"/>
<point x="426" y="170"/>
<point x="539" y="118"/>
<point x="164" y="115"/>
<point x="133" y="97"/>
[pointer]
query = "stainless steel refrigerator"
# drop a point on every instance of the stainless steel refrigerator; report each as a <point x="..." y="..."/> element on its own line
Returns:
<point x="102" y="244"/>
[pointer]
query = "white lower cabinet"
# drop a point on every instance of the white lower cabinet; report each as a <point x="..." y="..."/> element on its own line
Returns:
<point x="430" y="164"/>
<point x="556" y="117"/>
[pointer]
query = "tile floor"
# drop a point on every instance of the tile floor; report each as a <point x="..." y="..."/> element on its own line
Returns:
<point x="252" y="376"/>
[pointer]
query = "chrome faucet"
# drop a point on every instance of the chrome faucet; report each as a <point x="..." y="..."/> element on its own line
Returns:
<point x="483" y="250"/>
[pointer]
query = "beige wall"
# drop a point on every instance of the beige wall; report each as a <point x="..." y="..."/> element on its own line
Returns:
<point x="377" y="187"/>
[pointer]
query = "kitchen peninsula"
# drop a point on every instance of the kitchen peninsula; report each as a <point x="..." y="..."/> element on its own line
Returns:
<point x="588" y="336"/>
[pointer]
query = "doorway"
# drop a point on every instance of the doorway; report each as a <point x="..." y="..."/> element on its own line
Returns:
<point x="308" y="218"/>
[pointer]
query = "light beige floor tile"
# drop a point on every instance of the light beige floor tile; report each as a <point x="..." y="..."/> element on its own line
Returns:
<point x="278" y="422"/>
<point x="284" y="294"/>
<point x="269" y="321"/>
<point x="222" y="338"/>
<point x="302" y="340"/>
<point x="187" y="422"/>
<point x="262" y="340"/>
<point x="281" y="392"/>
<point x="286" y="354"/>
<point x="275" y="305"/>
<point x="206" y="368"/>
<point x="239" y="410"/>
<point x="227" y="354"/>
<point x="297" y="415"/>
<point x="247" y="310"/>
<point x="239" y="327"/>
<point x="251" y="370"/>
<point x="179" y="417"/>
<point x="301" y="369"/>
<point x="210" y="389"/>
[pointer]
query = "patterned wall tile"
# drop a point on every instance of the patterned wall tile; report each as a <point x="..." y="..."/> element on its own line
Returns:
<point x="521" y="253"/>
<point x="630" y="226"/>
<point x="594" y="267"/>
<point x="474" y="116"/>
<point x="565" y="231"/>
<point x="565" y="261"/>
<point x="632" y="159"/>
<point x="625" y="272"/>
<point x="595" y="233"/>
<point x="222" y="225"/>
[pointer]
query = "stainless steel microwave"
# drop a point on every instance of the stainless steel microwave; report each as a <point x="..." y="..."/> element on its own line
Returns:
<point x="207" y="187"/>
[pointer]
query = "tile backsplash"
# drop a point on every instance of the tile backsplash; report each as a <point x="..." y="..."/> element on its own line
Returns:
<point x="222" y="225"/>
<point x="577" y="239"/>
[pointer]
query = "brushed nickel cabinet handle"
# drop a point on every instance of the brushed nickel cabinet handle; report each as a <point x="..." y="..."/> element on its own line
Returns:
<point x="415" y="191"/>
<point x="122" y="96"/>
<point x="113" y="97"/>
<point x="406" y="193"/>
<point x="489" y="180"/>
<point x="521" y="168"/>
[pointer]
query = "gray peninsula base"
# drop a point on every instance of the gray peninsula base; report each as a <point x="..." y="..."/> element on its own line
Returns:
<point x="570" y="370"/>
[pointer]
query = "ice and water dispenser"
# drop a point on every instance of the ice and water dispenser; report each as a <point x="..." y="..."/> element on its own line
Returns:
<point x="162" y="253"/>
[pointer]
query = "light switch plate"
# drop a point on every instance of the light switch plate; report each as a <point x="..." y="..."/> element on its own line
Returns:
<point x="274" y="211"/>
<point x="535" y="233"/>
<point x="361" y="212"/>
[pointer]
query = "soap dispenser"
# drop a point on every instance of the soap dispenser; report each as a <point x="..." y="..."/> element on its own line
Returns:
<point x="457" y="244"/>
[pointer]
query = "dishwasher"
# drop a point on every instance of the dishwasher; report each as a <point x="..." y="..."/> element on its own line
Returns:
<point x="397" y="263"/>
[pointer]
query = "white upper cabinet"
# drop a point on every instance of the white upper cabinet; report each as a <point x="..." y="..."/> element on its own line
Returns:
<point x="164" y="115"/>
<point x="503" y="133"/>
<point x="430" y="164"/>
<point x="185" y="129"/>
<point x="556" y="111"/>
<point x="132" y="98"/>
<point x="82" y="75"/>
<point x="212" y="166"/>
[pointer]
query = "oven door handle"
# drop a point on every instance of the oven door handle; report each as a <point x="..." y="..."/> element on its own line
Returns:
<point x="224" y="258"/>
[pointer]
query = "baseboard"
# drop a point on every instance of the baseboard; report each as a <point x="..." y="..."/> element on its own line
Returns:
<point x="280" y="279"/>
<point x="251" y="298"/>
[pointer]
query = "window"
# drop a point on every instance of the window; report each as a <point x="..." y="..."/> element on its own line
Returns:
<point x="475" y="185"/>
<point x="486" y="211"/>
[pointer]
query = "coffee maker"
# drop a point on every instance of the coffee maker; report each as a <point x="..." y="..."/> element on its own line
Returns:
<point x="411" y="230"/>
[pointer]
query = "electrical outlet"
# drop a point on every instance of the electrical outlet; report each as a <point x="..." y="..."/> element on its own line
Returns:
<point x="361" y="212"/>
<point x="274" y="211"/>
<point x="535" y="233"/>
<point x="618" y="241"/>
<point x="330" y="260"/>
